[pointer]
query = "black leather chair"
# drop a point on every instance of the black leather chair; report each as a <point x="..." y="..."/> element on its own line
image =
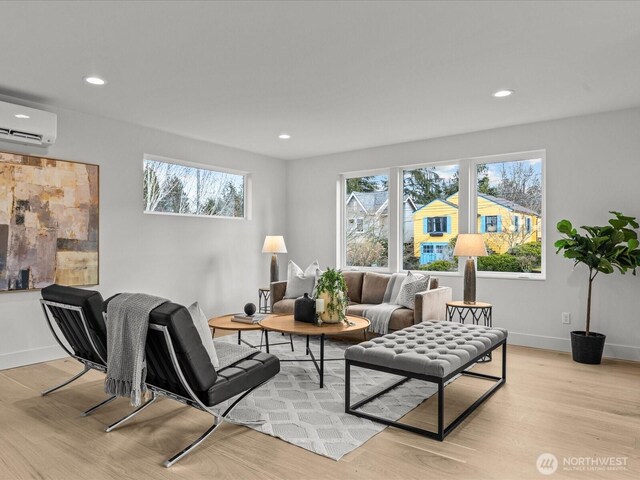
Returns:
<point x="78" y="315"/>
<point x="178" y="367"/>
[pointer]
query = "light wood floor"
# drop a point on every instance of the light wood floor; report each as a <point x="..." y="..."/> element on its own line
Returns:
<point x="549" y="404"/>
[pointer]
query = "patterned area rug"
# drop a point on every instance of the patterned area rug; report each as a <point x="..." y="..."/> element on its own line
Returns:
<point x="295" y="408"/>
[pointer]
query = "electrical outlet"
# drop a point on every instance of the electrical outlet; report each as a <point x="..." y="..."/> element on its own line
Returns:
<point x="566" y="318"/>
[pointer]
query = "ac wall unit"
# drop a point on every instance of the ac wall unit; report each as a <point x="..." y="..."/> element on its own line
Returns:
<point x="27" y="125"/>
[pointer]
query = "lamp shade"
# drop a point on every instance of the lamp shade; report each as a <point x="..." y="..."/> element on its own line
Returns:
<point x="274" y="244"/>
<point x="470" y="245"/>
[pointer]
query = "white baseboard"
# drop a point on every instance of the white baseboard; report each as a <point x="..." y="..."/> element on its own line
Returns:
<point x="622" y="352"/>
<point x="28" y="357"/>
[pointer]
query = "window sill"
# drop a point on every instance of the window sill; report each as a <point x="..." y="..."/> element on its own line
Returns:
<point x="511" y="275"/>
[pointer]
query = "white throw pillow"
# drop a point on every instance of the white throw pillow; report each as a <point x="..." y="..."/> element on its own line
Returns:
<point x="299" y="282"/>
<point x="202" y="325"/>
<point x="414" y="283"/>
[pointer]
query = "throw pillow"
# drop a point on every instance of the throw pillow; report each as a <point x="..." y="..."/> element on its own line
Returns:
<point x="414" y="283"/>
<point x="299" y="282"/>
<point x="202" y="325"/>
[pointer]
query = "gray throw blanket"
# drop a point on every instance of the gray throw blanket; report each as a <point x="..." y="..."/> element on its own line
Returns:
<point x="379" y="315"/>
<point x="127" y="324"/>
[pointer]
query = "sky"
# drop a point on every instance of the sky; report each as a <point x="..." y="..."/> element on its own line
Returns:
<point x="494" y="169"/>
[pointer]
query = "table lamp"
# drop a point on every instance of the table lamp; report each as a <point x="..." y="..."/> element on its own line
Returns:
<point x="274" y="244"/>
<point x="470" y="245"/>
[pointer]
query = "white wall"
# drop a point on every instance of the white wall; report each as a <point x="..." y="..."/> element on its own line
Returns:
<point x="215" y="261"/>
<point x="593" y="166"/>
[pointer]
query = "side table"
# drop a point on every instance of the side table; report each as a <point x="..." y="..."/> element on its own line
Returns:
<point x="479" y="312"/>
<point x="264" y="295"/>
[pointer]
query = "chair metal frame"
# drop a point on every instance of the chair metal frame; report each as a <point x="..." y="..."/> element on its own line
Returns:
<point x="88" y="364"/>
<point x="192" y="401"/>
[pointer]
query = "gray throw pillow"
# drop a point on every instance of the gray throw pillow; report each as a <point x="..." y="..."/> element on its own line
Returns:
<point x="202" y="325"/>
<point x="414" y="283"/>
<point x="299" y="282"/>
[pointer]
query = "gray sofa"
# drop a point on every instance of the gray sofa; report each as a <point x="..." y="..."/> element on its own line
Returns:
<point x="367" y="288"/>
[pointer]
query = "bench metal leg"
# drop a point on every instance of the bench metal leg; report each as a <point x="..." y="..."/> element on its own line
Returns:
<point x="67" y="382"/>
<point x="95" y="407"/>
<point x="132" y="414"/>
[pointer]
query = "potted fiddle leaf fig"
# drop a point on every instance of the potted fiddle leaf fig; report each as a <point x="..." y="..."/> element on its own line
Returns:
<point x="603" y="250"/>
<point x="332" y="288"/>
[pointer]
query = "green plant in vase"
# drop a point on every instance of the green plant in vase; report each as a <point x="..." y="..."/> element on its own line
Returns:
<point x="332" y="288"/>
<point x="602" y="250"/>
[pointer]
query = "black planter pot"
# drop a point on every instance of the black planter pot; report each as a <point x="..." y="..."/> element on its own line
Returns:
<point x="587" y="349"/>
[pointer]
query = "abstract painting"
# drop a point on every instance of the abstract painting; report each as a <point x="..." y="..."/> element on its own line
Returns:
<point x="48" y="222"/>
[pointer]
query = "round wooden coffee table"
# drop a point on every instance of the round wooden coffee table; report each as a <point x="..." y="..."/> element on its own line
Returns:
<point x="225" y="322"/>
<point x="286" y="324"/>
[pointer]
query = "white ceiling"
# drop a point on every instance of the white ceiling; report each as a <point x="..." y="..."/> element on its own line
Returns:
<point x="335" y="75"/>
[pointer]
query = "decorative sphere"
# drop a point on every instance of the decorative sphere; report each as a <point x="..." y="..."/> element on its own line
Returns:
<point x="250" y="309"/>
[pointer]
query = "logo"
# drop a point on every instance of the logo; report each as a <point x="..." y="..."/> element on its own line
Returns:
<point x="547" y="463"/>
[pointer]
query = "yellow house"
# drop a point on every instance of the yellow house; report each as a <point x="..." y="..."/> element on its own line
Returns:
<point x="504" y="224"/>
<point x="434" y="225"/>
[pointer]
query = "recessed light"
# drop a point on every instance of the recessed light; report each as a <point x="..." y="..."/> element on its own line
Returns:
<point x="22" y="115"/>
<point x="284" y="136"/>
<point x="94" y="80"/>
<point x="502" y="93"/>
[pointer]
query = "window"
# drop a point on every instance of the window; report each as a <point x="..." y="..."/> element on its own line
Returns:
<point x="409" y="218"/>
<point x="509" y="208"/>
<point x="187" y="190"/>
<point x="429" y="217"/>
<point x="435" y="224"/>
<point x="490" y="223"/>
<point x="366" y="236"/>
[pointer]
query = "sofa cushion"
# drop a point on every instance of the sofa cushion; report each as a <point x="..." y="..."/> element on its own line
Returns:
<point x="354" y="285"/>
<point x="373" y="287"/>
<point x="284" y="306"/>
<point x="254" y="369"/>
<point x="401" y="318"/>
<point x="357" y="309"/>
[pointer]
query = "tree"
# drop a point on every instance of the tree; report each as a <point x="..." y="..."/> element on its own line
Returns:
<point x="177" y="188"/>
<point x="173" y="197"/>
<point x="521" y="184"/>
<point x="601" y="249"/>
<point x="362" y="184"/>
<point x="425" y="185"/>
<point x="484" y="182"/>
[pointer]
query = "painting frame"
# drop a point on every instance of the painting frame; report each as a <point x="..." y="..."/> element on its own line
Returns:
<point x="49" y="222"/>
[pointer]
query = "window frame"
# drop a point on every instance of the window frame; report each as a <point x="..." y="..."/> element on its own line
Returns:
<point x="460" y="163"/>
<point x="467" y="204"/>
<point x="433" y="221"/>
<point x="247" y="184"/>
<point x="493" y="225"/>
<point x="473" y="207"/>
<point x="342" y="218"/>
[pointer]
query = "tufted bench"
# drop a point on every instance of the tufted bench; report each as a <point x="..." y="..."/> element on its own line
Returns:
<point x="430" y="351"/>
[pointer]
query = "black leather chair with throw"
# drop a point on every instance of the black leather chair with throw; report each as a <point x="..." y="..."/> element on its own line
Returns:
<point x="179" y="367"/>
<point x="78" y="315"/>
